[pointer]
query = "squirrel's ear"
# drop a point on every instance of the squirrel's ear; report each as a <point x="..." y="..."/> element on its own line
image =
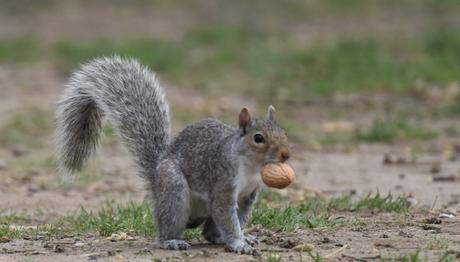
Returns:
<point x="244" y="121"/>
<point x="271" y="113"/>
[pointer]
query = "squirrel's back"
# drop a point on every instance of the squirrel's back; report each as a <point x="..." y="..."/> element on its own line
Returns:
<point x="199" y="136"/>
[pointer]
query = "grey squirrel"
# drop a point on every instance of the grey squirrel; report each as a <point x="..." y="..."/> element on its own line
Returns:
<point x="208" y="174"/>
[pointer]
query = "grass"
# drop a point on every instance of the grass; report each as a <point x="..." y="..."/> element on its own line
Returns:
<point x="412" y="257"/>
<point x="25" y="6"/>
<point x="29" y="128"/>
<point x="161" y="56"/>
<point x="133" y="218"/>
<point x="395" y="129"/>
<point x="259" y="64"/>
<point x="274" y="258"/>
<point x="383" y="130"/>
<point x="45" y="163"/>
<point x="346" y="66"/>
<point x="290" y="218"/>
<point x="19" y="50"/>
<point x="136" y="218"/>
<point x="318" y="212"/>
<point x="370" y="202"/>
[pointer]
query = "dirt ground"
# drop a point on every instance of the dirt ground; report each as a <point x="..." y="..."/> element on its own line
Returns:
<point x="429" y="179"/>
<point x="379" y="236"/>
<point x="37" y="194"/>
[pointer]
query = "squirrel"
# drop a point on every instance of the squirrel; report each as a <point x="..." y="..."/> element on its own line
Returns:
<point x="208" y="174"/>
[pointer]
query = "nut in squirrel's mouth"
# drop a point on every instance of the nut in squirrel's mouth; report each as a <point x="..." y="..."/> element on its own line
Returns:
<point x="277" y="175"/>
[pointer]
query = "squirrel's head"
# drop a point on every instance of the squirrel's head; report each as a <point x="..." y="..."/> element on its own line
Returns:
<point x="264" y="140"/>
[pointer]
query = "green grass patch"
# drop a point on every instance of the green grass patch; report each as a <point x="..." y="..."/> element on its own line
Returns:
<point x="131" y="218"/>
<point x="382" y="130"/>
<point x="19" y="50"/>
<point x="375" y="202"/>
<point x="136" y="218"/>
<point x="109" y="135"/>
<point x="45" y="163"/>
<point x="14" y="232"/>
<point x="318" y="212"/>
<point x="28" y="128"/>
<point x="308" y="215"/>
<point x="264" y="66"/>
<point x="26" y="6"/>
<point x="395" y="129"/>
<point x="10" y="218"/>
<point x="274" y="71"/>
<point x="411" y="257"/>
<point x="161" y="56"/>
<point x="454" y="106"/>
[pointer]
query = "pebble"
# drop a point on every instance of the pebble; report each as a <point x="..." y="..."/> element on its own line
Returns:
<point x="411" y="201"/>
<point x="19" y="151"/>
<point x="79" y="244"/>
<point x="446" y="215"/>
<point x="304" y="248"/>
<point x="59" y="249"/>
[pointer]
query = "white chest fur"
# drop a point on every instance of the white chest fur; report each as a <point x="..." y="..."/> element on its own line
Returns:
<point x="248" y="178"/>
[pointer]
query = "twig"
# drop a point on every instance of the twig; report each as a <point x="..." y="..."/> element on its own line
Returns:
<point x="335" y="252"/>
<point x="275" y="250"/>
<point x="364" y="259"/>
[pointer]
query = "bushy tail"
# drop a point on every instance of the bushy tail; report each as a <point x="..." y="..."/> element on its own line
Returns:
<point x="125" y="92"/>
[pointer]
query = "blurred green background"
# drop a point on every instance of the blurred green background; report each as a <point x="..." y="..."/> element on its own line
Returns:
<point x="338" y="71"/>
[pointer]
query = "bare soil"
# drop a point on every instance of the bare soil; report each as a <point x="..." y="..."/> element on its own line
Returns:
<point x="36" y="193"/>
<point x="429" y="180"/>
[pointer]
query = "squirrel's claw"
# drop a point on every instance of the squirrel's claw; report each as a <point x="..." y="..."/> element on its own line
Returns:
<point x="241" y="247"/>
<point x="251" y="240"/>
<point x="175" y="244"/>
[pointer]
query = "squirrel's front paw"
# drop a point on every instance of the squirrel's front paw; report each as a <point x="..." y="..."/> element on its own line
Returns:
<point x="241" y="247"/>
<point x="175" y="244"/>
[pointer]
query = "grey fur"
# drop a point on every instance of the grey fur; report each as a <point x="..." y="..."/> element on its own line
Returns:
<point x="208" y="174"/>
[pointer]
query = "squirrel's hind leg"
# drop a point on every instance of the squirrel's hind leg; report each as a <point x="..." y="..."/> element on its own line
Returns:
<point x="211" y="233"/>
<point x="172" y="205"/>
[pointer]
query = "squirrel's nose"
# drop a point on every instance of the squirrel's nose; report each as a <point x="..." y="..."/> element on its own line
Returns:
<point x="284" y="154"/>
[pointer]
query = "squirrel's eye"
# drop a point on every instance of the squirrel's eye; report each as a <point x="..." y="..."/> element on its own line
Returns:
<point x="258" y="138"/>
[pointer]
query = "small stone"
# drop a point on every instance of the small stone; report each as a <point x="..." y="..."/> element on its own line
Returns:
<point x="205" y="253"/>
<point x="387" y="159"/>
<point x="304" y="248"/>
<point x="432" y="220"/>
<point x="92" y="256"/>
<point x="79" y="244"/>
<point x="429" y="227"/>
<point x="19" y="151"/>
<point x="446" y="215"/>
<point x="59" y="249"/>
<point x="411" y="201"/>
<point x="435" y="168"/>
<point x="119" y="237"/>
